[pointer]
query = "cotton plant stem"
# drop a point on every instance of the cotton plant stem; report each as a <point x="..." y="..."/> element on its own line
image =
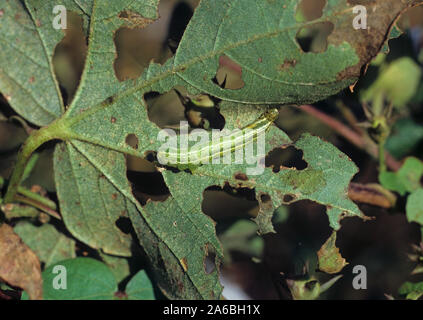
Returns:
<point x="338" y="126"/>
<point x="56" y="130"/>
<point x="37" y="197"/>
<point x="349" y="117"/>
<point x="382" y="160"/>
<point x="38" y="205"/>
<point x="356" y="139"/>
<point x="34" y="199"/>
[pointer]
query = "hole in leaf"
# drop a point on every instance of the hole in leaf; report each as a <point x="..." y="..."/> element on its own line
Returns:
<point x="229" y="74"/>
<point x="139" y="164"/>
<point x="229" y="202"/>
<point x="148" y="186"/>
<point x="265" y="202"/>
<point x="124" y="225"/>
<point x="288" y="198"/>
<point x="181" y="15"/>
<point x="311" y="285"/>
<point x="69" y="57"/>
<point x="264" y="197"/>
<point x="150" y="156"/>
<point x="140" y="42"/>
<point x="289" y="157"/>
<point x="165" y="110"/>
<point x="309" y="10"/>
<point x="315" y="38"/>
<point x="132" y="140"/>
<point x="241" y="176"/>
<point x="209" y="261"/>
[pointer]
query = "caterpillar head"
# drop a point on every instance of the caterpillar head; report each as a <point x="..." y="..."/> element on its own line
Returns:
<point x="271" y="114"/>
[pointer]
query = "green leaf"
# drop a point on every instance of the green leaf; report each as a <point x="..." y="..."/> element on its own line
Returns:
<point x="118" y="108"/>
<point x="414" y="207"/>
<point x="397" y="82"/>
<point x="178" y="228"/>
<point x="90" y="204"/>
<point x="395" y="33"/>
<point x="86" y="279"/>
<point x="308" y="289"/>
<point x="242" y="237"/>
<point x="165" y="234"/>
<point x="19" y="211"/>
<point x="140" y="287"/>
<point x="324" y="181"/>
<point x="47" y="243"/>
<point x="406" y="179"/>
<point x="118" y="265"/>
<point x="412" y="291"/>
<point x="406" y="136"/>
<point x="27" y="79"/>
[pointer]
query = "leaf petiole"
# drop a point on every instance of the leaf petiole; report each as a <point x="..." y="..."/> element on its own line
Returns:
<point x="56" y="130"/>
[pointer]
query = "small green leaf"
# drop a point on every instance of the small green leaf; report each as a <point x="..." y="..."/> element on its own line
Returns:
<point x="118" y="265"/>
<point x="140" y="287"/>
<point x="16" y="210"/>
<point x="412" y="291"/>
<point x="414" y="207"/>
<point x="47" y="243"/>
<point x="406" y="136"/>
<point x="242" y="237"/>
<point x="395" y="33"/>
<point x="397" y="82"/>
<point x="308" y="289"/>
<point x="406" y="179"/>
<point x="86" y="279"/>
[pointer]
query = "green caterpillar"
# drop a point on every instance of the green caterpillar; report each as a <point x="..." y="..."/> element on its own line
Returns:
<point x="207" y="151"/>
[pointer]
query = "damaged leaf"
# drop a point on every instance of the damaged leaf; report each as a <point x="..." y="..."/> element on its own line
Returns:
<point x="330" y="259"/>
<point x="324" y="181"/>
<point x="19" y="266"/>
